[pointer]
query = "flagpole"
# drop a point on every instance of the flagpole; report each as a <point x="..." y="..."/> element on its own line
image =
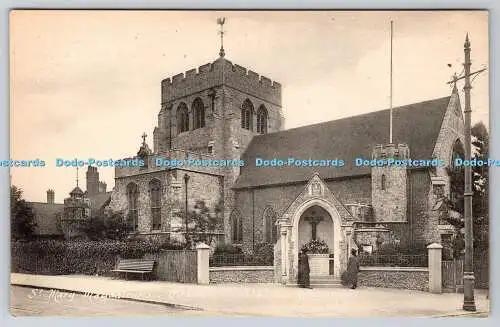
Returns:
<point x="390" y="95"/>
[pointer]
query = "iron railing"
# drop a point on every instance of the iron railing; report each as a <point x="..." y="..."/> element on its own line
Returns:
<point x="226" y="259"/>
<point x="393" y="260"/>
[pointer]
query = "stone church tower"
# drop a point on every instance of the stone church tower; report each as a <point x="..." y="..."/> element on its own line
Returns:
<point x="212" y="112"/>
<point x="216" y="110"/>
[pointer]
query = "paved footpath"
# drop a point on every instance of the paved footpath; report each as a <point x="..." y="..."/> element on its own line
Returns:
<point x="266" y="299"/>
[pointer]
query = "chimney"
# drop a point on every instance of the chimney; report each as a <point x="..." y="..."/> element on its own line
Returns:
<point x="102" y="187"/>
<point x="50" y="196"/>
<point x="92" y="181"/>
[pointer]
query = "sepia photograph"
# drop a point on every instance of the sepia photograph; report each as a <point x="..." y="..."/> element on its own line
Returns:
<point x="249" y="163"/>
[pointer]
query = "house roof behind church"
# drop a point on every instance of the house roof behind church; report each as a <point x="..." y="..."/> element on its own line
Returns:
<point x="417" y="125"/>
<point x="99" y="201"/>
<point x="46" y="217"/>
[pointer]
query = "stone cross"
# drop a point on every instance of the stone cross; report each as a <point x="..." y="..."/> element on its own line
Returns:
<point x="144" y="135"/>
<point x="314" y="221"/>
<point x="454" y="81"/>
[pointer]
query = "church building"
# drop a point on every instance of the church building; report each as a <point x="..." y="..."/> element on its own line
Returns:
<point x="223" y="111"/>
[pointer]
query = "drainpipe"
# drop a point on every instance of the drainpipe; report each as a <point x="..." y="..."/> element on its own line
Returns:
<point x="253" y="220"/>
<point x="170" y="113"/>
<point x="410" y="207"/>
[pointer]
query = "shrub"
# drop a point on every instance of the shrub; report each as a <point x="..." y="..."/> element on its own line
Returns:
<point x="316" y="247"/>
<point x="264" y="253"/>
<point x="393" y="248"/>
<point x="110" y="225"/>
<point x="227" y="249"/>
<point x="418" y="248"/>
<point x="388" y="249"/>
<point x="79" y="257"/>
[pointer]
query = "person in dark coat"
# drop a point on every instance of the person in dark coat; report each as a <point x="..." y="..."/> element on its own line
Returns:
<point x="350" y="276"/>
<point x="303" y="273"/>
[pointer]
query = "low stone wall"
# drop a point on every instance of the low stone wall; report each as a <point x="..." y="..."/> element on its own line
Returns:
<point x="411" y="278"/>
<point x="242" y="274"/>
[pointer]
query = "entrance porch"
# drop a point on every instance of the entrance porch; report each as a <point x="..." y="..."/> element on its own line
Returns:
<point x="315" y="215"/>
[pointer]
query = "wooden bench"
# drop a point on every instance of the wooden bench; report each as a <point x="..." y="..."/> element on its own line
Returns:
<point x="135" y="266"/>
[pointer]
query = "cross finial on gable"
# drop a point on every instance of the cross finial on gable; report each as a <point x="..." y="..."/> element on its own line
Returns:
<point x="454" y="80"/>
<point x="144" y="135"/>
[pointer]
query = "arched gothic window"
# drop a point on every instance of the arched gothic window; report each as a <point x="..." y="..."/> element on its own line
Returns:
<point x="270" y="228"/>
<point x="458" y="152"/>
<point x="198" y="113"/>
<point x="155" y="200"/>
<point x="132" y="199"/>
<point x="383" y="182"/>
<point x="182" y="118"/>
<point x="247" y="115"/>
<point x="236" y="226"/>
<point x="262" y="120"/>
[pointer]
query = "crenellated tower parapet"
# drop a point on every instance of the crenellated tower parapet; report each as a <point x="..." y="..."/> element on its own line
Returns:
<point x="220" y="72"/>
<point x="395" y="151"/>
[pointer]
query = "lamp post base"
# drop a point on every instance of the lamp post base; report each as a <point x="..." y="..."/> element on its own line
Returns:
<point x="469" y="304"/>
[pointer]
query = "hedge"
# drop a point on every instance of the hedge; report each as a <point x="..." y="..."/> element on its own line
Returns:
<point x="227" y="249"/>
<point x="230" y="255"/>
<point x="78" y="257"/>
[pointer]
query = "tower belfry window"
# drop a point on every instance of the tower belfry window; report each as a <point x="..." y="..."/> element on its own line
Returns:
<point x="247" y="115"/>
<point x="383" y="182"/>
<point x="262" y="120"/>
<point x="182" y="118"/>
<point x="198" y="113"/>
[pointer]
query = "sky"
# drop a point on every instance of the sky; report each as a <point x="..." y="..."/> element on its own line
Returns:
<point x="86" y="84"/>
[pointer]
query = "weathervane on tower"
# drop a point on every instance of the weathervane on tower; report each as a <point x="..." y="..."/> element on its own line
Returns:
<point x="221" y="21"/>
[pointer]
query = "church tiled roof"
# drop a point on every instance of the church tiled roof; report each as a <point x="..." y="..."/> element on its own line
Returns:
<point x="417" y="125"/>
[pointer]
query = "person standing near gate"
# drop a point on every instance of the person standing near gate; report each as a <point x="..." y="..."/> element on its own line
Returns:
<point x="350" y="276"/>
<point x="303" y="273"/>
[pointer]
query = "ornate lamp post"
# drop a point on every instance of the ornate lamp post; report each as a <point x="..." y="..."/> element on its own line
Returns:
<point x="469" y="303"/>
<point x="186" y="180"/>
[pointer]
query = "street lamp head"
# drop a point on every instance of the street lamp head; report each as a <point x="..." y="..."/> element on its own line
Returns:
<point x="186" y="178"/>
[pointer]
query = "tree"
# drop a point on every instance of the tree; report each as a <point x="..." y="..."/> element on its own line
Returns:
<point x="203" y="223"/>
<point x="480" y="187"/>
<point x="22" y="217"/>
<point x="109" y="225"/>
<point x="452" y="209"/>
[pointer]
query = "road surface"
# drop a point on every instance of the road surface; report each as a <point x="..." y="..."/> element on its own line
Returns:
<point x="41" y="302"/>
